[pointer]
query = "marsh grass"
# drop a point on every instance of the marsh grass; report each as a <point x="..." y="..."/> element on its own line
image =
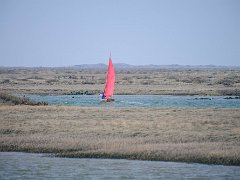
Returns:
<point x="14" y="100"/>
<point x="134" y="81"/>
<point x="186" y="135"/>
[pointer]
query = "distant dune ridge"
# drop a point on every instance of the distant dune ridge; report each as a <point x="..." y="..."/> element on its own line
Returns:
<point x="152" y="66"/>
<point x="129" y="66"/>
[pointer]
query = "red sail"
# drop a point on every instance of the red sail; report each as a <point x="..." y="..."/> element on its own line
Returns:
<point x="109" y="88"/>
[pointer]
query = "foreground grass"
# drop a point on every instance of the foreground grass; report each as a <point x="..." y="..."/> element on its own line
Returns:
<point x="185" y="135"/>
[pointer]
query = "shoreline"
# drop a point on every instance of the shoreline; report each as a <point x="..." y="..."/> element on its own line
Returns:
<point x="116" y="158"/>
<point x="89" y="93"/>
<point x="126" y="94"/>
<point x="208" y="136"/>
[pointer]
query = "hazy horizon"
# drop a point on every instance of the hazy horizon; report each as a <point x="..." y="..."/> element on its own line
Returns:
<point x="130" y="65"/>
<point x="60" y="33"/>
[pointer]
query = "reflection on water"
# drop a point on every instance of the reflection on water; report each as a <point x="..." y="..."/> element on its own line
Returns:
<point x="28" y="166"/>
<point x="142" y="101"/>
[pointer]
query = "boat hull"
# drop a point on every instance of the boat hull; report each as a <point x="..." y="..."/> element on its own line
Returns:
<point x="106" y="100"/>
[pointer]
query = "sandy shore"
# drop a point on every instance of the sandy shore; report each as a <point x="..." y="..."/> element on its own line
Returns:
<point x="185" y="135"/>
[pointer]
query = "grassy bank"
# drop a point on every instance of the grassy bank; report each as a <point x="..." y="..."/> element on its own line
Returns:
<point x="14" y="100"/>
<point x="187" y="135"/>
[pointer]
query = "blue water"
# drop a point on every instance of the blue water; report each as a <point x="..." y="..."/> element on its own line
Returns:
<point x="40" y="166"/>
<point x="160" y="101"/>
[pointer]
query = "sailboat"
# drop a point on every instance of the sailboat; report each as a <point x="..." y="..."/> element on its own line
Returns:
<point x="107" y="96"/>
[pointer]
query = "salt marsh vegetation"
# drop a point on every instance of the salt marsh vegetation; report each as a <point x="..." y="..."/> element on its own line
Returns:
<point x="186" y="135"/>
<point x="128" y="81"/>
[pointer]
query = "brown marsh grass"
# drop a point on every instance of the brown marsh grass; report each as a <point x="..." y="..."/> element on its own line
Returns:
<point x="14" y="100"/>
<point x="185" y="135"/>
<point x="128" y="81"/>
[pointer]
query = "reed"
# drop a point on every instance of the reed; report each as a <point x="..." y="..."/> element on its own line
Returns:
<point x="186" y="135"/>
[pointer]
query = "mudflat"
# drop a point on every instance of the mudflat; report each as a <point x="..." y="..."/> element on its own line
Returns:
<point x="186" y="135"/>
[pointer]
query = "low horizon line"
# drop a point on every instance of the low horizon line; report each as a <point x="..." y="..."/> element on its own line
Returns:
<point x="140" y="65"/>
